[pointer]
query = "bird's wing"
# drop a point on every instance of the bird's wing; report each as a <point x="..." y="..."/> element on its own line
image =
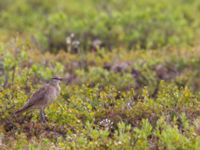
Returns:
<point x="37" y="96"/>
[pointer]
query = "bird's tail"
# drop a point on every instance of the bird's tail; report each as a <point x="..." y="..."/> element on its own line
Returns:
<point x="19" y="111"/>
<point x="23" y="109"/>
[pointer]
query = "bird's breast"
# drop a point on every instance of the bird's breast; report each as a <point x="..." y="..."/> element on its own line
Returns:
<point x="52" y="95"/>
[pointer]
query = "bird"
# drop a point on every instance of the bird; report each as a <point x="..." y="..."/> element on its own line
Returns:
<point x="43" y="97"/>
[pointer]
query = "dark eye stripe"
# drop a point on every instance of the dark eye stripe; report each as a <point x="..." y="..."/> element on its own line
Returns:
<point x="56" y="78"/>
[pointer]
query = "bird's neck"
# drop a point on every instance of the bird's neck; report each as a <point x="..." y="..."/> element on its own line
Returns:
<point x="56" y="85"/>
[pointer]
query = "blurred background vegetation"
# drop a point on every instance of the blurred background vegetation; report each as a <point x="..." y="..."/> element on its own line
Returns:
<point x="141" y="24"/>
<point x="131" y="73"/>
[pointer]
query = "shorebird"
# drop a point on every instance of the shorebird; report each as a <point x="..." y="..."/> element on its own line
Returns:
<point x="42" y="98"/>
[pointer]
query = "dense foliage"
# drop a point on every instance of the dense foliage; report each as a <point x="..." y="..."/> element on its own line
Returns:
<point x="131" y="73"/>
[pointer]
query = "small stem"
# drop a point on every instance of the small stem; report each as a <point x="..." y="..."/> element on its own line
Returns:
<point x="13" y="74"/>
<point x="6" y="80"/>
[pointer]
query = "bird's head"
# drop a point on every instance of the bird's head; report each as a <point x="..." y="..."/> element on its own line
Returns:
<point x="56" y="80"/>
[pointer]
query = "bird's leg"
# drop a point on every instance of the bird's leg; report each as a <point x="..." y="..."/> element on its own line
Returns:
<point x="42" y="115"/>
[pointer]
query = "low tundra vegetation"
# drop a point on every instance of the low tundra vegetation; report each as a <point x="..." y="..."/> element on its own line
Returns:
<point x="131" y="74"/>
<point x="110" y="99"/>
